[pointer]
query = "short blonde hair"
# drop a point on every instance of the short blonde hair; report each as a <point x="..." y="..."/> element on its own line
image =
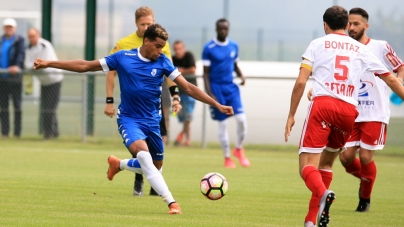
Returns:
<point x="143" y="12"/>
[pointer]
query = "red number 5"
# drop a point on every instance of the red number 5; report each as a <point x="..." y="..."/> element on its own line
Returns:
<point x="339" y="64"/>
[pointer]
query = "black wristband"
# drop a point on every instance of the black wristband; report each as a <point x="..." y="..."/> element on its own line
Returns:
<point x="173" y="90"/>
<point x="177" y="99"/>
<point x="110" y="100"/>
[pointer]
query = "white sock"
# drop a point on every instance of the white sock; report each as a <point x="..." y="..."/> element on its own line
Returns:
<point x="154" y="176"/>
<point x="241" y="129"/>
<point x="132" y="165"/>
<point x="224" y="138"/>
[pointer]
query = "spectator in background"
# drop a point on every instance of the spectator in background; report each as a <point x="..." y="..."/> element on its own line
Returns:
<point x="11" y="59"/>
<point x="185" y="62"/>
<point x="50" y="82"/>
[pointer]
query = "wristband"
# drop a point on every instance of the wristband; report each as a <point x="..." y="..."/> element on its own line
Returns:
<point x="177" y="99"/>
<point x="173" y="90"/>
<point x="110" y="100"/>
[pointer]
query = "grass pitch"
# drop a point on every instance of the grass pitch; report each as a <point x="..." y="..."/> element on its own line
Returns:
<point x="63" y="183"/>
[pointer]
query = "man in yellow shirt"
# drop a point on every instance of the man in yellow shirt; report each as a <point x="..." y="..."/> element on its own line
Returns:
<point x="144" y="17"/>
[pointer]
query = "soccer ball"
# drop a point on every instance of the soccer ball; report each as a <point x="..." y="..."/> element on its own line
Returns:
<point x="214" y="186"/>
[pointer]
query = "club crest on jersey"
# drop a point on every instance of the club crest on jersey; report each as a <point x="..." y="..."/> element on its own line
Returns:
<point x="366" y="86"/>
<point x="232" y="54"/>
<point x="153" y="72"/>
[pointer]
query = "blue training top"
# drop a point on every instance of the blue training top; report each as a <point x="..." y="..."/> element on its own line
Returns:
<point x="220" y="57"/>
<point x="140" y="82"/>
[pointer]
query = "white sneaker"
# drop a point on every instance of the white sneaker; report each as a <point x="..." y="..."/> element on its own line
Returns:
<point x="323" y="216"/>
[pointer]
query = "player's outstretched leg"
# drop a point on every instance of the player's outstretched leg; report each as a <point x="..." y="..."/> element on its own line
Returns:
<point x="326" y="201"/>
<point x="156" y="181"/>
<point x="143" y="164"/>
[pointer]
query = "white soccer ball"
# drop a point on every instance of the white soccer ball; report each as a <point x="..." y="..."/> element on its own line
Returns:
<point x="214" y="186"/>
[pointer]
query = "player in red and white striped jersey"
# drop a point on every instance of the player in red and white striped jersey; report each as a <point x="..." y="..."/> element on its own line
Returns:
<point x="369" y="133"/>
<point x="336" y="63"/>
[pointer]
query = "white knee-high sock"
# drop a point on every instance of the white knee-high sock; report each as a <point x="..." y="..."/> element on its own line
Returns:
<point x="132" y="165"/>
<point x="154" y="176"/>
<point x="224" y="138"/>
<point x="241" y="129"/>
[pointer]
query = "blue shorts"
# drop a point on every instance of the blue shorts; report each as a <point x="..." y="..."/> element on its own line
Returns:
<point x="187" y="111"/>
<point x="132" y="131"/>
<point x="226" y="94"/>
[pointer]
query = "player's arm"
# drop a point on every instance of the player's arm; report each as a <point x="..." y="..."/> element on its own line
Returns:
<point x="394" y="84"/>
<point x="199" y="95"/>
<point x="109" y="109"/>
<point x="79" y="66"/>
<point x="297" y="93"/>
<point x="239" y="73"/>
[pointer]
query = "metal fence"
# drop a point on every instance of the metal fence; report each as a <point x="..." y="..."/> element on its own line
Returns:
<point x="266" y="102"/>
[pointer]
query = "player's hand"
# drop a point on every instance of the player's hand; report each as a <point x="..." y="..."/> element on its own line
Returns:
<point x="40" y="64"/>
<point x="176" y="107"/>
<point x="289" y="124"/>
<point x="242" y="80"/>
<point x="226" y="109"/>
<point x="310" y="94"/>
<point x="109" y="110"/>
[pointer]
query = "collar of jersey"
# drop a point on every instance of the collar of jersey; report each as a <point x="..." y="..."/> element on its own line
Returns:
<point x="217" y="42"/>
<point x="141" y="57"/>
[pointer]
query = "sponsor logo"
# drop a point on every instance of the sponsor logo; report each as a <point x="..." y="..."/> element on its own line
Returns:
<point x="130" y="54"/>
<point x="153" y="72"/>
<point x="366" y="86"/>
<point x="159" y="154"/>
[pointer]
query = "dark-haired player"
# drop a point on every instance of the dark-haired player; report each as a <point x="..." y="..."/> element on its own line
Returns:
<point x="144" y="17"/>
<point x="220" y="57"/>
<point x="141" y="72"/>
<point x="370" y="129"/>
<point x="336" y="63"/>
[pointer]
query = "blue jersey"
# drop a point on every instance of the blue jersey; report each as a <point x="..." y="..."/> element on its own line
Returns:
<point x="140" y="81"/>
<point x="220" y="57"/>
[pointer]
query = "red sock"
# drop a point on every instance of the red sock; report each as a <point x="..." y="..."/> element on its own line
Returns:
<point x="368" y="177"/>
<point x="315" y="201"/>
<point x="354" y="168"/>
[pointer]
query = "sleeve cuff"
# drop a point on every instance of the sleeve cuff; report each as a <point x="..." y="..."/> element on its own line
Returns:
<point x="104" y="65"/>
<point x="236" y="60"/>
<point x="383" y="74"/>
<point x="174" y="74"/>
<point x="206" y="62"/>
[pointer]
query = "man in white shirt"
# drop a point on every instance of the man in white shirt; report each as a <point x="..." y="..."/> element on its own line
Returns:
<point x="370" y="129"/>
<point x="50" y="82"/>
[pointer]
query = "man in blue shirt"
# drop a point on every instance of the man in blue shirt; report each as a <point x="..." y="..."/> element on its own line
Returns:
<point x="220" y="57"/>
<point x="141" y="72"/>
<point x="12" y="53"/>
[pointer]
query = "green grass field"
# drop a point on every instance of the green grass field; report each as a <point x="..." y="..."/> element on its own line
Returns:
<point x="63" y="183"/>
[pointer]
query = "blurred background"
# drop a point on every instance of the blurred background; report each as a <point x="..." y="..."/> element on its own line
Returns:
<point x="272" y="32"/>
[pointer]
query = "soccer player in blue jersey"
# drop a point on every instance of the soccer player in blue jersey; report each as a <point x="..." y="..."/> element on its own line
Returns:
<point x="141" y="72"/>
<point x="220" y="57"/>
